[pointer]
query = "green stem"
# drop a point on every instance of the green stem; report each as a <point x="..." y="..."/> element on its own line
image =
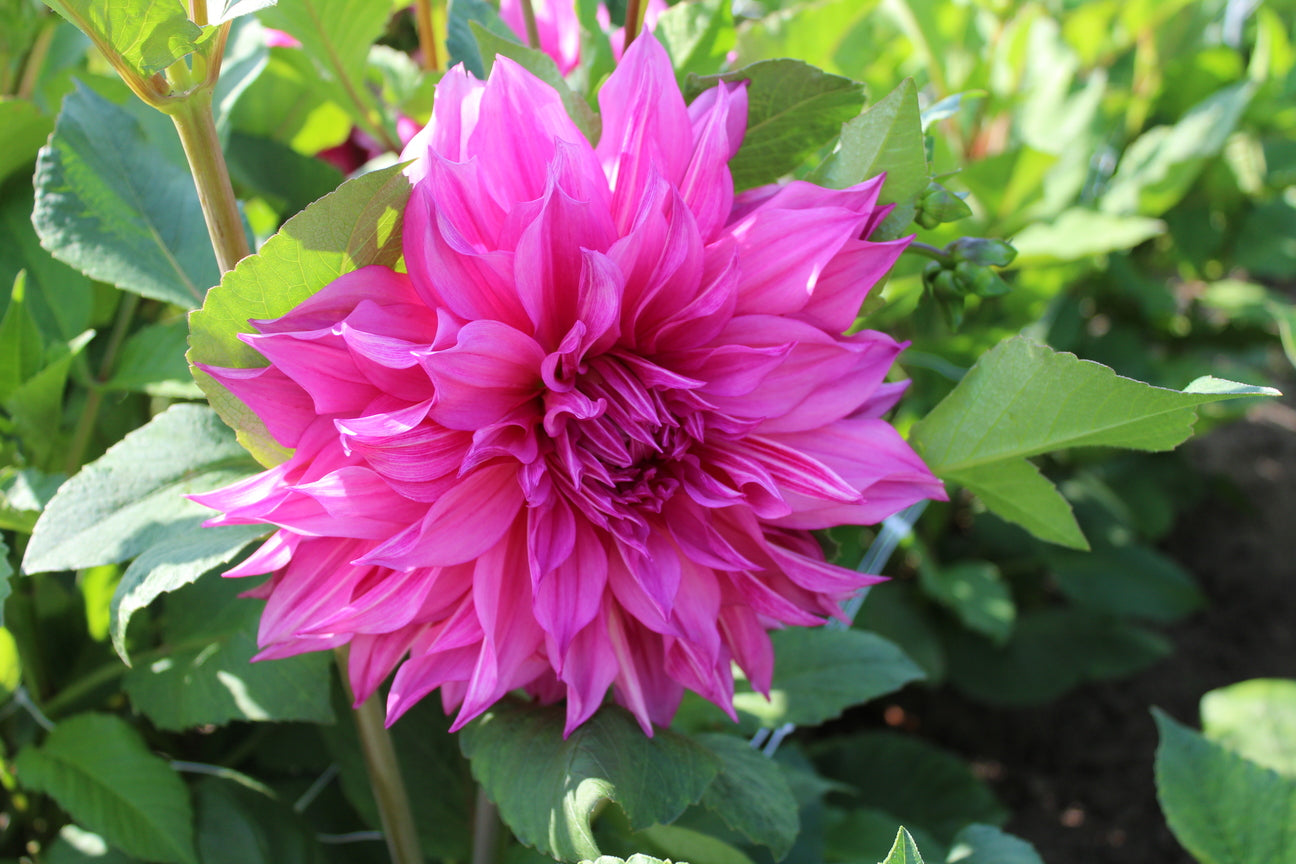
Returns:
<point x="197" y="127"/>
<point x="94" y="399"/>
<point x="633" y="21"/>
<point x="485" y="829"/>
<point x="926" y="250"/>
<point x="35" y="59"/>
<point x="384" y="775"/>
<point x="532" y="28"/>
<point x="427" y="19"/>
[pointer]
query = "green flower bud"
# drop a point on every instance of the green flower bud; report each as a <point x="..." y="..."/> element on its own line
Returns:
<point x="980" y="250"/>
<point x="938" y="205"/>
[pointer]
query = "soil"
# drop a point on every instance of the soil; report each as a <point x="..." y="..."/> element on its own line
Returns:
<point x="1077" y="773"/>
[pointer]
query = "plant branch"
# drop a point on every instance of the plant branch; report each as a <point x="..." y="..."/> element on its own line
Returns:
<point x="633" y="21"/>
<point x="926" y="250"/>
<point x="35" y="59"/>
<point x="197" y="127"/>
<point x="532" y="28"/>
<point x="427" y="18"/>
<point x="384" y="775"/>
<point x="485" y="829"/>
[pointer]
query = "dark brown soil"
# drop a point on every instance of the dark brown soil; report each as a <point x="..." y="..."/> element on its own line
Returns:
<point x="1077" y="774"/>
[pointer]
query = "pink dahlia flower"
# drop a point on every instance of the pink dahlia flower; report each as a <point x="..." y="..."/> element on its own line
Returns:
<point x="582" y="443"/>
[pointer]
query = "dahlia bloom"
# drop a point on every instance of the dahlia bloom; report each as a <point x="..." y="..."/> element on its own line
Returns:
<point x="581" y="444"/>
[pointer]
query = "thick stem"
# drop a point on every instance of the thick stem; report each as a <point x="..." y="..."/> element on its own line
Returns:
<point x="197" y="127"/>
<point x="384" y="776"/>
<point x="532" y="28"/>
<point x="485" y="829"/>
<point x="633" y="21"/>
<point x="426" y="19"/>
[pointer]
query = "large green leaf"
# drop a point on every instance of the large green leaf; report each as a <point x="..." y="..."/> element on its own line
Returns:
<point x="1022" y="399"/>
<point x="149" y="35"/>
<point x="1223" y="808"/>
<point x="888" y="137"/>
<point x="1132" y="580"/>
<point x="793" y="110"/>
<point x="751" y="794"/>
<point x="1080" y="233"/>
<point x="548" y="788"/>
<point x="78" y="846"/>
<point x="132" y="498"/>
<point x="986" y="844"/>
<point x="1162" y="163"/>
<point x="818" y="673"/>
<point x="976" y="592"/>
<point x="913" y="780"/>
<point x="21" y="345"/>
<point x="206" y="675"/>
<point x="633" y="859"/>
<point x="60" y="298"/>
<point x="678" y="843"/>
<point x="357" y="225"/>
<point x="170" y="565"/>
<point x="697" y="35"/>
<point x="242" y="825"/>
<point x="337" y="35"/>
<point x="461" y="36"/>
<point x="109" y="205"/>
<point x="1256" y="719"/>
<point x="36" y="406"/>
<point x="152" y="361"/>
<point x="98" y="768"/>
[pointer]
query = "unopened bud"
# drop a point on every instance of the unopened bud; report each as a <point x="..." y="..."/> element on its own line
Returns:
<point x="938" y="205"/>
<point x="980" y="250"/>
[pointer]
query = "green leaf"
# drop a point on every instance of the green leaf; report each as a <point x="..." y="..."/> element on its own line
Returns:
<point x="26" y="129"/>
<point x="1022" y="399"/>
<point x="685" y="844"/>
<point x="888" y="138"/>
<point x="284" y="178"/>
<point x="633" y="859"/>
<point x="59" y="297"/>
<point x="548" y="789"/>
<point x="905" y="850"/>
<point x="818" y="673"/>
<point x="109" y="205"/>
<point x="1080" y="233"/>
<point x="21" y="345"/>
<point x="208" y="676"/>
<point x="152" y="361"/>
<point x="337" y="35"/>
<point x="974" y="591"/>
<point x="149" y="35"/>
<point x="132" y="498"/>
<point x="231" y="9"/>
<point x="36" y="407"/>
<point x="435" y="773"/>
<point x="461" y="42"/>
<point x="1050" y="652"/>
<point x="1255" y="719"/>
<point x="23" y="494"/>
<point x="1223" y="808"/>
<point x="1162" y="163"/>
<point x="358" y="225"/>
<point x="1129" y="581"/>
<point x="290" y="104"/>
<point x="170" y="565"/>
<point x="751" y="794"/>
<point x="793" y="110"/>
<point x="920" y="784"/>
<point x="543" y="67"/>
<point x="698" y="36"/>
<point x="101" y="772"/>
<point x="986" y="844"/>
<point x="241" y="825"/>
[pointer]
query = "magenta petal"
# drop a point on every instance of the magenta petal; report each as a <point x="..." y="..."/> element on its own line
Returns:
<point x="491" y="370"/>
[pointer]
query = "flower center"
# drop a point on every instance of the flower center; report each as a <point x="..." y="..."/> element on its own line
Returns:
<point x="620" y="430"/>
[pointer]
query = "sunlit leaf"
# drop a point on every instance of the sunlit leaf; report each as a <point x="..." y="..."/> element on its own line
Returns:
<point x="1256" y="719"/>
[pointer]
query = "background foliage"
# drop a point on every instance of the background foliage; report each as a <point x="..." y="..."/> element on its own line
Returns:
<point x="1141" y="158"/>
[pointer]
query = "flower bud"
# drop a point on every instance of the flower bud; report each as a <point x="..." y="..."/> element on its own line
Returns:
<point x="980" y="250"/>
<point x="938" y="205"/>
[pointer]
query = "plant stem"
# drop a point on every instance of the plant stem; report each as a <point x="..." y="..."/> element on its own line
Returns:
<point x="485" y="829"/>
<point x="926" y="250"/>
<point x="427" y="19"/>
<point x="633" y="20"/>
<point x="197" y="127"/>
<point x="532" y="28"/>
<point x="35" y="60"/>
<point x="384" y="775"/>
<point x="94" y="399"/>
